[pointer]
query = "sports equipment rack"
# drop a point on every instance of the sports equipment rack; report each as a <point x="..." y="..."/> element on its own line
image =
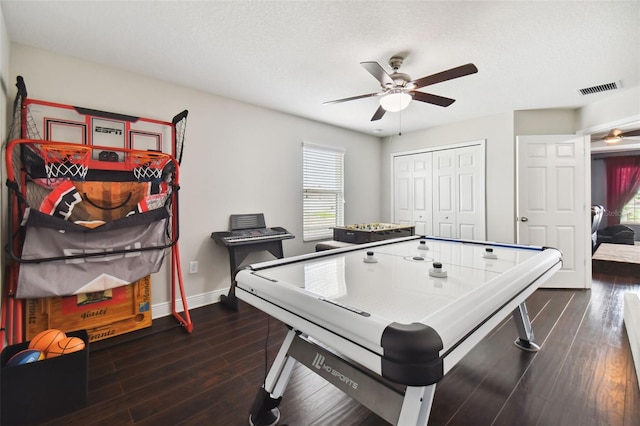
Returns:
<point x="92" y="204"/>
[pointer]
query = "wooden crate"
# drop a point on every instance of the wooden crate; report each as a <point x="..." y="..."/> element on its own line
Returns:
<point x="103" y="314"/>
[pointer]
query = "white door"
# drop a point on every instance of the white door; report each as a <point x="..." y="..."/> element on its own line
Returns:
<point x="412" y="191"/>
<point x="402" y="209"/>
<point x="552" y="198"/>
<point x="444" y="202"/>
<point x="470" y="213"/>
<point x="459" y="189"/>
<point x="422" y="194"/>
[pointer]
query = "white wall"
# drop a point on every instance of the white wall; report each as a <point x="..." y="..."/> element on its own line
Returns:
<point x="4" y="76"/>
<point x="545" y="122"/>
<point x="4" y="112"/>
<point x="238" y="158"/>
<point x="619" y="107"/>
<point x="500" y="162"/>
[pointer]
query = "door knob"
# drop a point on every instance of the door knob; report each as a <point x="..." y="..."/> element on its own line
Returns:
<point x="524" y="219"/>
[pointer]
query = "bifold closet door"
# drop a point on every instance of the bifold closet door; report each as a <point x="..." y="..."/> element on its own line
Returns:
<point x="459" y="193"/>
<point x="413" y="186"/>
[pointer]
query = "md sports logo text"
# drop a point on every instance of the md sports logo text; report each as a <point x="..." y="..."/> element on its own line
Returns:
<point x="320" y="364"/>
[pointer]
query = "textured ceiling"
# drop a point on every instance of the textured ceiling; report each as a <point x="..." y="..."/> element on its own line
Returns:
<point x="292" y="56"/>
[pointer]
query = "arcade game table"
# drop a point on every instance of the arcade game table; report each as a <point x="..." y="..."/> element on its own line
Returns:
<point x="370" y="232"/>
<point x="385" y="321"/>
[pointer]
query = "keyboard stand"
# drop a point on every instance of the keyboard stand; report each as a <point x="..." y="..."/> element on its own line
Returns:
<point x="238" y="252"/>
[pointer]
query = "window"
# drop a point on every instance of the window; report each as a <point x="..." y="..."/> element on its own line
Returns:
<point x="631" y="211"/>
<point x="323" y="191"/>
<point x="623" y="185"/>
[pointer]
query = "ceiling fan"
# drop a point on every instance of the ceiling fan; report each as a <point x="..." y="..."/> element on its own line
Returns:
<point x="616" y="135"/>
<point x="398" y="89"/>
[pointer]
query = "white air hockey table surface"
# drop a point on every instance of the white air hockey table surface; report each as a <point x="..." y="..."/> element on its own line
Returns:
<point x="386" y="308"/>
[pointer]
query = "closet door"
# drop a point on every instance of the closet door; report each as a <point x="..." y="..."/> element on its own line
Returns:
<point x="444" y="191"/>
<point x="459" y="193"/>
<point x="413" y="191"/>
<point x="470" y="214"/>
<point x="402" y="203"/>
<point x="422" y="193"/>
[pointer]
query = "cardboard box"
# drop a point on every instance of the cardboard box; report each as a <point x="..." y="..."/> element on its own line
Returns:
<point x="46" y="388"/>
<point x="102" y="314"/>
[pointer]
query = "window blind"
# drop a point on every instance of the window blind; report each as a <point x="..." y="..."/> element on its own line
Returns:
<point x="323" y="191"/>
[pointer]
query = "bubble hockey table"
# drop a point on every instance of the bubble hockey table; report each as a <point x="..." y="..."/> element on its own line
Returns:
<point x="385" y="321"/>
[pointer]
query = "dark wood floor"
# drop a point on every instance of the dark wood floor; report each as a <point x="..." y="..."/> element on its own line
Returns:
<point x="583" y="375"/>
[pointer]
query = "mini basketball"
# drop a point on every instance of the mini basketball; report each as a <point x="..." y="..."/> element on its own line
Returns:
<point x="64" y="346"/>
<point x="45" y="339"/>
<point x="24" y="357"/>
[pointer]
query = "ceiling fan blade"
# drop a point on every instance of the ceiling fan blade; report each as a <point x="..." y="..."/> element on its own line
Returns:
<point x="456" y="72"/>
<point x="432" y="99"/>
<point x="379" y="73"/>
<point x="631" y="133"/>
<point x="353" y="98"/>
<point x="378" y="114"/>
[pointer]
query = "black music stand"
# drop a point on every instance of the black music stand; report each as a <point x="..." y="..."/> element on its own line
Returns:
<point x="240" y="249"/>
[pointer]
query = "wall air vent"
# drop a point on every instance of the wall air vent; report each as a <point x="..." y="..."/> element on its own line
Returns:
<point x="600" y="88"/>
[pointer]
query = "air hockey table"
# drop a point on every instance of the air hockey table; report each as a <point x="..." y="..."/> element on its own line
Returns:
<point x="385" y="321"/>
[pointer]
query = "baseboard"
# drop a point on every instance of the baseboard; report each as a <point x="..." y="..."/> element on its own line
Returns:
<point x="164" y="309"/>
<point x="632" y="324"/>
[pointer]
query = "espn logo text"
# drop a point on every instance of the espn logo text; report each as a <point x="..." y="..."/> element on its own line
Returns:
<point x="319" y="363"/>
<point x="108" y="130"/>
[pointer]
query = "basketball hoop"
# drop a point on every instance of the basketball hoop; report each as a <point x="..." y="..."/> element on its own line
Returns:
<point x="70" y="161"/>
<point x="148" y="165"/>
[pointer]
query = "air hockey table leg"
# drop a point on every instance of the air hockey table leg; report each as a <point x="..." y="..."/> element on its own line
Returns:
<point x="416" y="405"/>
<point x="264" y="411"/>
<point x="525" y="331"/>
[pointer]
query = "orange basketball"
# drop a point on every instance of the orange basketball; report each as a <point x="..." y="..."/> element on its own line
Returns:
<point x="46" y="339"/>
<point x="65" y="346"/>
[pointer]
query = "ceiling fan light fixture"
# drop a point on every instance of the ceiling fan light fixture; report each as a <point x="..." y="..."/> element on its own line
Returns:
<point x="395" y="101"/>
<point x="614" y="136"/>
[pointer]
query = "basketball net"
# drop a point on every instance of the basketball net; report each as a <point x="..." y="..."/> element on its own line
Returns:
<point x="71" y="161"/>
<point x="148" y="165"/>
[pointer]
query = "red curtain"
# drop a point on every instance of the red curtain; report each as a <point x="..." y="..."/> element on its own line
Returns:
<point x="623" y="181"/>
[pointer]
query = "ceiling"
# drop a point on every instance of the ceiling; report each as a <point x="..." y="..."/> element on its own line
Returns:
<point x="292" y="56"/>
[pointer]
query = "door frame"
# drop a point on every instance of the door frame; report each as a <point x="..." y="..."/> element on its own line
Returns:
<point x="393" y="155"/>
<point x="623" y="122"/>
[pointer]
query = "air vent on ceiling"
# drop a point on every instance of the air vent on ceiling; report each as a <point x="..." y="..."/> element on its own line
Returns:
<point x="600" y="88"/>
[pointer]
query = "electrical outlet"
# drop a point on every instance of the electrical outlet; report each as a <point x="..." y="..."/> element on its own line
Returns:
<point x="193" y="267"/>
